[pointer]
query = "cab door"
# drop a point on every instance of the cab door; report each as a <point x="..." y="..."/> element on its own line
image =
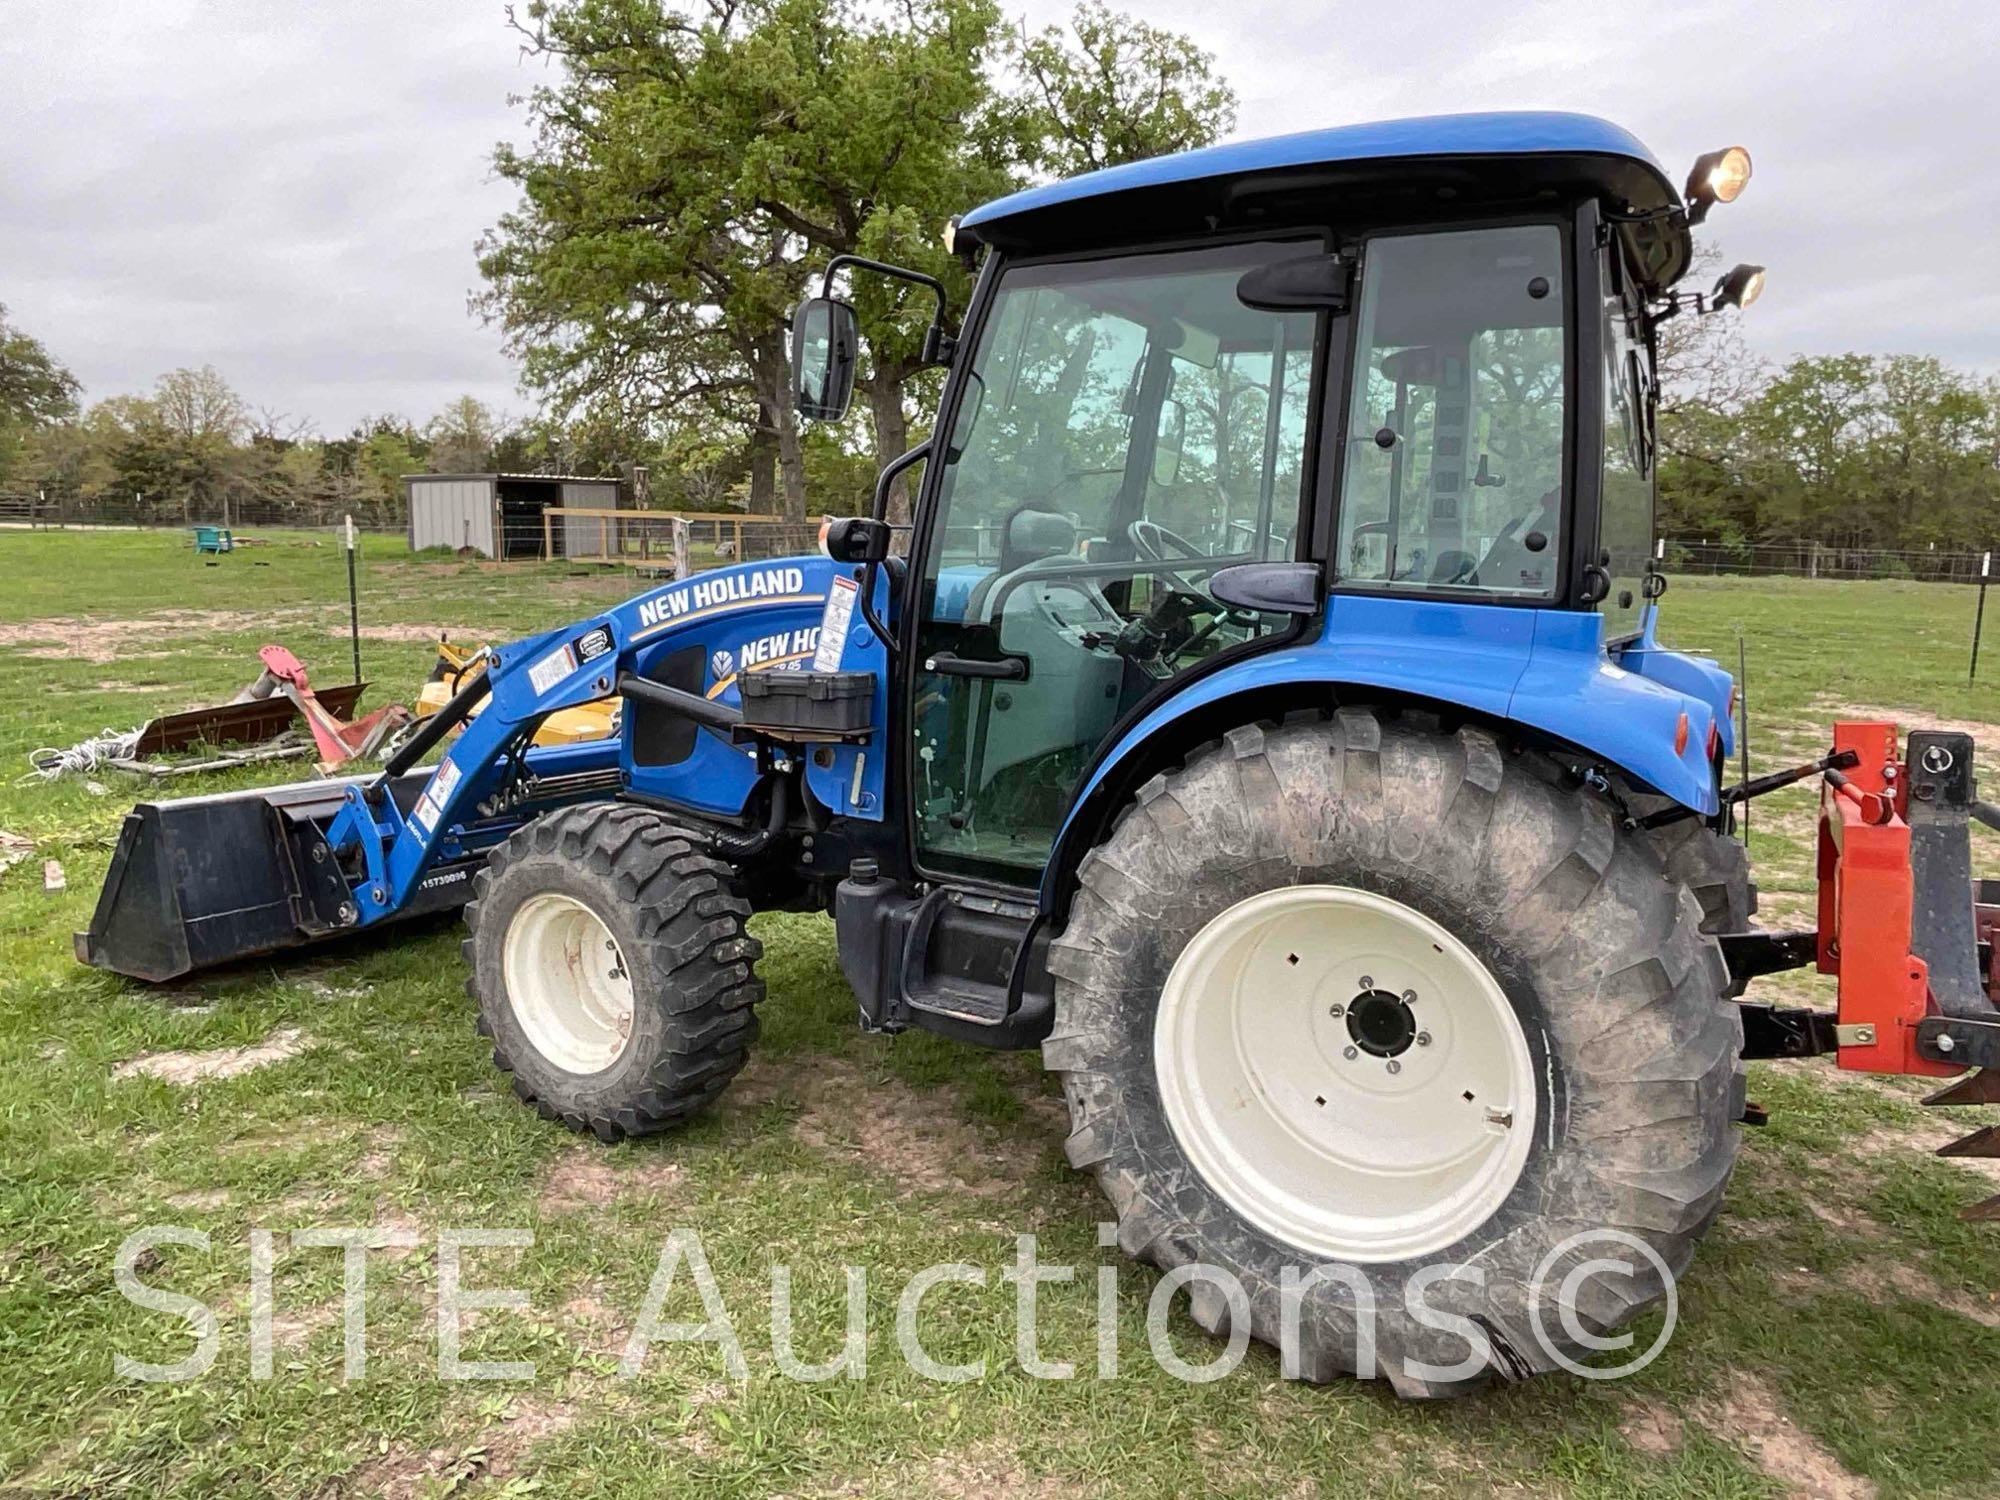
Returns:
<point x="1128" y="427"/>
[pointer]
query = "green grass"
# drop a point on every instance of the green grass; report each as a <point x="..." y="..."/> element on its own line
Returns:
<point x="1838" y="1287"/>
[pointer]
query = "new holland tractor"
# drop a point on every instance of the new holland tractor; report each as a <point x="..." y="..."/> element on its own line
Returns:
<point x="1264" y="716"/>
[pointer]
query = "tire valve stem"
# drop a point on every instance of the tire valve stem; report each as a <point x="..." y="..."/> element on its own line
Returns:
<point x="1501" y="1117"/>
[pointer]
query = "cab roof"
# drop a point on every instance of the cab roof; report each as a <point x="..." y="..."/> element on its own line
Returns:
<point x="1431" y="164"/>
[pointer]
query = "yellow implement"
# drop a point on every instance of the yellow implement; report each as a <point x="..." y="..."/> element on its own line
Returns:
<point x="456" y="665"/>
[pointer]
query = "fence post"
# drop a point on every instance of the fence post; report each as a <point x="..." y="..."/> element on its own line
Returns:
<point x="1979" y="616"/>
<point x="548" y="537"/>
<point x="683" y="569"/>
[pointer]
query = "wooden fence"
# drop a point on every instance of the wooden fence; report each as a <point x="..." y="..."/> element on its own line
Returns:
<point x="678" y="542"/>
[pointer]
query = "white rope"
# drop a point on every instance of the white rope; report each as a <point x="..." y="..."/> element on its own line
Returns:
<point x="83" y="757"/>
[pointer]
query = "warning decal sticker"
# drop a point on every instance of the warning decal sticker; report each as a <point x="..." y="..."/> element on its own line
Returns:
<point x="833" y="623"/>
<point x="550" y="671"/>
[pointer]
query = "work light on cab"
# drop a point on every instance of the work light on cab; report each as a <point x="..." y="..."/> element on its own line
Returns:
<point x="1741" y="287"/>
<point x="1718" y="177"/>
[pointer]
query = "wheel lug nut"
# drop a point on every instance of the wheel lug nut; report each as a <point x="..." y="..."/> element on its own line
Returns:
<point x="1394" y="1066"/>
<point x="1423" y="1039"/>
<point x="1409" y="997"/>
<point x="1350" y="1053"/>
<point x="1336" y="1010"/>
<point x="1367" y="983"/>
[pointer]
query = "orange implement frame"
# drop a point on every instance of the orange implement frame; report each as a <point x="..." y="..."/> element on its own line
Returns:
<point x="1866" y="898"/>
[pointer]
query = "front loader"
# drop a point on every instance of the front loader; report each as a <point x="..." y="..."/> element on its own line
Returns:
<point x="1265" y="717"/>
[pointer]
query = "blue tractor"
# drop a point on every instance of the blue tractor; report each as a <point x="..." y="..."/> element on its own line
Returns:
<point x="1263" y="717"/>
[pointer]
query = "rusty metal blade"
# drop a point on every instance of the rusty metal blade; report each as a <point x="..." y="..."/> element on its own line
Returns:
<point x="235" y="723"/>
<point x="1984" y="1213"/>
<point x="1982" y="1086"/>
<point x="1982" y="1142"/>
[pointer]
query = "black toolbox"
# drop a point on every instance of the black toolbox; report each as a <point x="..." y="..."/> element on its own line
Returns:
<point x="807" y="705"/>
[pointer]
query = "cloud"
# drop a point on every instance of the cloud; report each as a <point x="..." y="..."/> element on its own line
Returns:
<point x="293" y="193"/>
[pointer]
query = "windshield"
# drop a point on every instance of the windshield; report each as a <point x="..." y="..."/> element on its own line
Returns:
<point x="1131" y="390"/>
<point x="1453" y="469"/>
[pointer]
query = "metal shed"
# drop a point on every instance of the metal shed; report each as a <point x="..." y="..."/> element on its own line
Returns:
<point x="500" y="515"/>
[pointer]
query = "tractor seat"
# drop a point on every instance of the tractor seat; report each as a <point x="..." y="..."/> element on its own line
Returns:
<point x="1031" y="535"/>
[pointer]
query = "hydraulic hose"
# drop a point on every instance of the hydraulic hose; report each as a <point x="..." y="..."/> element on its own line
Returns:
<point x="457" y="709"/>
<point x="741" y="846"/>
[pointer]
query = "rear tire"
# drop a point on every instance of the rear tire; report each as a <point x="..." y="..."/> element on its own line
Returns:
<point x="1597" y="956"/>
<point x="1713" y="866"/>
<point x="612" y="969"/>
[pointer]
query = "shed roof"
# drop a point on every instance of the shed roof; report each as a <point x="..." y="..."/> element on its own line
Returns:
<point x="550" y="478"/>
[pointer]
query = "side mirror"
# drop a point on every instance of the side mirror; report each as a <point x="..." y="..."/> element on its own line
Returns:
<point x="854" y="539"/>
<point x="826" y="344"/>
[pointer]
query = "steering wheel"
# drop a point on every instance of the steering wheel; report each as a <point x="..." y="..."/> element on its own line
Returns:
<point x="1173" y="611"/>
<point x="1152" y="541"/>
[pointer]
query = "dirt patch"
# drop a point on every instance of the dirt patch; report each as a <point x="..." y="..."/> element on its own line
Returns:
<point x="1844" y="1217"/>
<point x="62" y="638"/>
<point x="206" y="1198"/>
<point x="222" y="1062"/>
<point x="1906" y="718"/>
<point x="428" y="634"/>
<point x="1652" y="1429"/>
<point x="1749" y="1415"/>
<point x="1927" y="1137"/>
<point x="585" y="1178"/>
<point x="379" y="1160"/>
<point x="593" y="1324"/>
<point x="1886" y="1283"/>
<point x="986" y="1471"/>
<point x="498" y="1451"/>
<point x="916" y="1137"/>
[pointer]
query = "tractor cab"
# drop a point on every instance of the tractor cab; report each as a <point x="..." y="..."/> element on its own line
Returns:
<point x="1380" y="397"/>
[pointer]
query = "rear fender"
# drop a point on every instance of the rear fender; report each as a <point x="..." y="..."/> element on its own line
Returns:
<point x="1544" y="670"/>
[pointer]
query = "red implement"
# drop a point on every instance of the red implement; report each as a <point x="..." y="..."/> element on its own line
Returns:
<point x="1866" y="896"/>
<point x="338" y="741"/>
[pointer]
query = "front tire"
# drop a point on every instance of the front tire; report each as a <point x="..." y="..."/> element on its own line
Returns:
<point x="612" y="970"/>
<point x="1565" y="986"/>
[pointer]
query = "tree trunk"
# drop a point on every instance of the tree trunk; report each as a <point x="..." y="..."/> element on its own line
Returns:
<point x="791" y="464"/>
<point x="771" y="372"/>
<point x="892" y="437"/>
<point x="763" y="464"/>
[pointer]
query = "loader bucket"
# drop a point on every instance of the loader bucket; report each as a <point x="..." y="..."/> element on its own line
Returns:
<point x="201" y="881"/>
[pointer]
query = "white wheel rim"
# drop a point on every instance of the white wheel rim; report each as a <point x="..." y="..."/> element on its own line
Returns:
<point x="568" y="983"/>
<point x="1345" y="1157"/>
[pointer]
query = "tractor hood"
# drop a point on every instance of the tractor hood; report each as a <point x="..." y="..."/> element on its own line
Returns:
<point x="1390" y="169"/>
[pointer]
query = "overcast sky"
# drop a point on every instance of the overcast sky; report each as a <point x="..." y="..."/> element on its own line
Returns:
<point x="292" y="193"/>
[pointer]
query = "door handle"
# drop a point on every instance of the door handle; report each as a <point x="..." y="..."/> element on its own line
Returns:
<point x="1008" y="668"/>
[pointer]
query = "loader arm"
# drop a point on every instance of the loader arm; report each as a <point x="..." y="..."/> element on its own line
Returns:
<point x="388" y="852"/>
<point x="204" y="881"/>
<point x="524" y="683"/>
